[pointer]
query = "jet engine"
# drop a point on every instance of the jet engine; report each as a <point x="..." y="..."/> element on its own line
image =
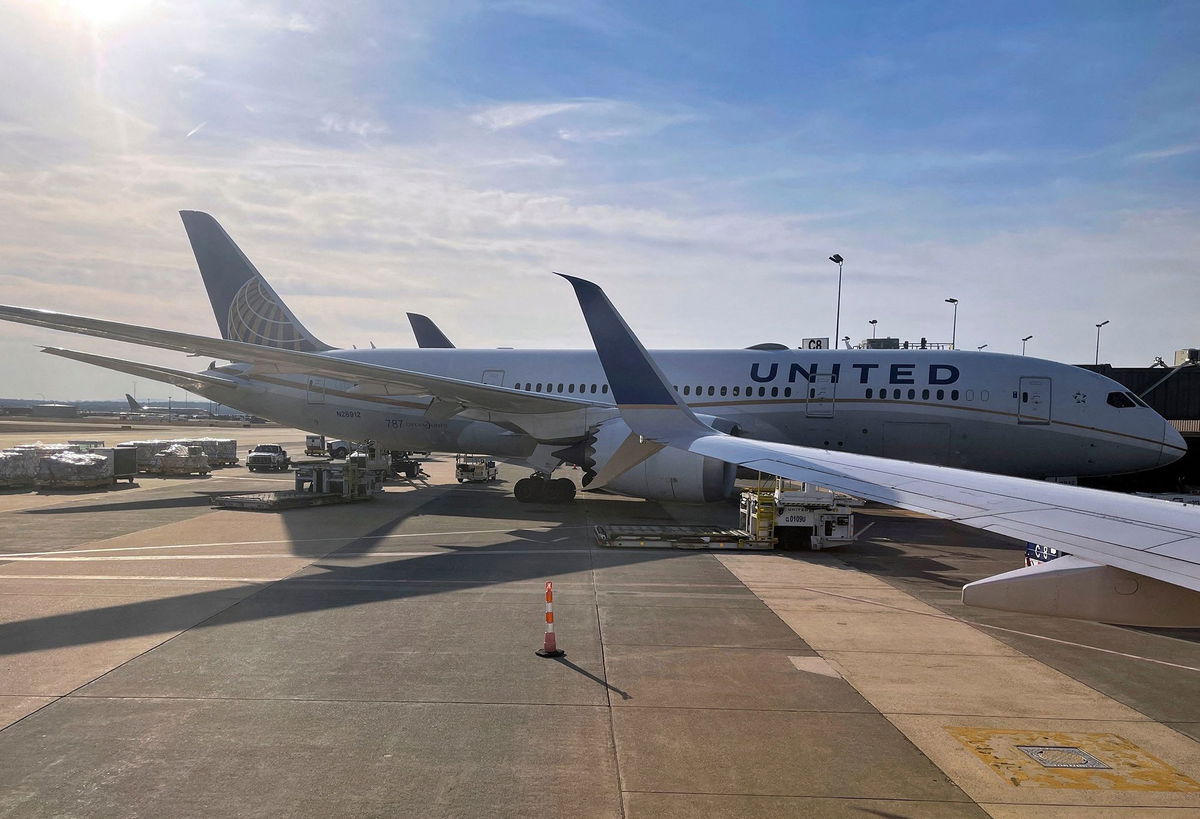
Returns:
<point x="667" y="475"/>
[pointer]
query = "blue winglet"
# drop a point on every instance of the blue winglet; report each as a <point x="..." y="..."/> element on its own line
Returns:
<point x="632" y="375"/>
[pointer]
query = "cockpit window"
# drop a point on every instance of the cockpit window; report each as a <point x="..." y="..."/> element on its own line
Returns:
<point x="1121" y="400"/>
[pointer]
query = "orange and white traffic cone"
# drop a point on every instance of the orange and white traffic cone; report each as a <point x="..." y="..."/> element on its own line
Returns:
<point x="549" y="647"/>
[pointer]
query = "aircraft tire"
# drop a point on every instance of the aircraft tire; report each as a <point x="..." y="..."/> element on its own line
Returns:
<point x="562" y="490"/>
<point x="530" y="490"/>
<point x="339" y="453"/>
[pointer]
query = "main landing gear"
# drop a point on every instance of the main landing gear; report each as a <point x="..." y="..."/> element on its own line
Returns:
<point x="540" y="488"/>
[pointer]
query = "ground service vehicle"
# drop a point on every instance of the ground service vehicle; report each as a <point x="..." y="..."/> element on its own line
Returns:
<point x="268" y="458"/>
<point x="474" y="469"/>
<point x="314" y="445"/>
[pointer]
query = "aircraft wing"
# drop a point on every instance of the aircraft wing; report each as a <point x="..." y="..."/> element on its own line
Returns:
<point x="193" y="382"/>
<point x="1153" y="545"/>
<point x="449" y="391"/>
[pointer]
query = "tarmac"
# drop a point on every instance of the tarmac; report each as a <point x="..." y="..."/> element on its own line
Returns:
<point x="159" y="657"/>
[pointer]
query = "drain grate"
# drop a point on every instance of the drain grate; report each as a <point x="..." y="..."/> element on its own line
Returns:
<point x="1056" y="756"/>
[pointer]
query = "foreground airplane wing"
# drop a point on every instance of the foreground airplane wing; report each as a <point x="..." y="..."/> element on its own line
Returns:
<point x="467" y="394"/>
<point x="1135" y="560"/>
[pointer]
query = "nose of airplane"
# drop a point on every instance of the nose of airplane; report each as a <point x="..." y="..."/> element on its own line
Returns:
<point x="1174" y="446"/>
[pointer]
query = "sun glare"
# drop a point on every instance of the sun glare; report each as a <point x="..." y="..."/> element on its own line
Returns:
<point x="104" y="12"/>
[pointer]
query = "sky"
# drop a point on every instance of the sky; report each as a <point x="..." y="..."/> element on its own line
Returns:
<point x="1038" y="161"/>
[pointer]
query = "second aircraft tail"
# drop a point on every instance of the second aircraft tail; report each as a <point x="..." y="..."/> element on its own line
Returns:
<point x="246" y="307"/>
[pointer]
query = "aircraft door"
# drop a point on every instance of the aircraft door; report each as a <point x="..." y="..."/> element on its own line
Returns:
<point x="494" y="378"/>
<point x="822" y="393"/>
<point x="316" y="390"/>
<point x="1033" y="401"/>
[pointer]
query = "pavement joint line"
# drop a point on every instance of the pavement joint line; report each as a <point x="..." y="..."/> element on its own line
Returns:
<point x="843" y="797"/>
<point x="290" y="540"/>
<point x="608" y="691"/>
<point x="953" y="619"/>
<point x="326" y="700"/>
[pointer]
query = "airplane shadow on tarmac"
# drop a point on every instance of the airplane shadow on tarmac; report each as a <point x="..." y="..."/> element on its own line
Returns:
<point x="324" y="585"/>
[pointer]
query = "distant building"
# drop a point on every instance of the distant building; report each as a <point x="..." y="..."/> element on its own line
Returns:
<point x="55" y="411"/>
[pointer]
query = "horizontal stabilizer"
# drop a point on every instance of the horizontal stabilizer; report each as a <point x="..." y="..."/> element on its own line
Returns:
<point x="192" y="382"/>
<point x="1072" y="587"/>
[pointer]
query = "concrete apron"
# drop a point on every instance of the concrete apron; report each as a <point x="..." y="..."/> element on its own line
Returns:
<point x="979" y="709"/>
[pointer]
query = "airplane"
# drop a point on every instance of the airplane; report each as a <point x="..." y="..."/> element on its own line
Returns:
<point x="915" y="405"/>
<point x="183" y="410"/>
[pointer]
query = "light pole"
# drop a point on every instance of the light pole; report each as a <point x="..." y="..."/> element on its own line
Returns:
<point x="1098" y="326"/>
<point x="981" y="347"/>
<point x="873" y="322"/>
<point x="837" y="321"/>
<point x="1023" y="343"/>
<point x="954" y="326"/>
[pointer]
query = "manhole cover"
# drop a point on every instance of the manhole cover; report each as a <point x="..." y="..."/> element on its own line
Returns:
<point x="1053" y="756"/>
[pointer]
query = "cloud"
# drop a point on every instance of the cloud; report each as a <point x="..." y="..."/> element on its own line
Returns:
<point x="1167" y="153"/>
<point x="514" y="115"/>
<point x="336" y="124"/>
<point x="187" y="72"/>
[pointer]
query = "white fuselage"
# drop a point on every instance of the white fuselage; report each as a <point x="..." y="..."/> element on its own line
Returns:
<point x="983" y="411"/>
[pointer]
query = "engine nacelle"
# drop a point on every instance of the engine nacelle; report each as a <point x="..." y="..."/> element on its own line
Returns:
<point x="667" y="475"/>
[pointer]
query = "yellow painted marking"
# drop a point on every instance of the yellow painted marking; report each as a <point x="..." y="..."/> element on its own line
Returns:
<point x="1130" y="768"/>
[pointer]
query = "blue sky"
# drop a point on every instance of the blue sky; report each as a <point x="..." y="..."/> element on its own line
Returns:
<point x="1038" y="161"/>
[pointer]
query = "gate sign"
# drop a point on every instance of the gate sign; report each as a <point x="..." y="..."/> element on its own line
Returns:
<point x="814" y="344"/>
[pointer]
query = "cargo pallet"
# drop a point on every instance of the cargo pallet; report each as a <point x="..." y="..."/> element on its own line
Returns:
<point x="650" y="536"/>
<point x="284" y="499"/>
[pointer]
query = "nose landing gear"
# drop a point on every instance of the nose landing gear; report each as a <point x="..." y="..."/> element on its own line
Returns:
<point x="540" y="488"/>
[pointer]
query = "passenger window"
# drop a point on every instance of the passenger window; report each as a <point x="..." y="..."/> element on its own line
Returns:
<point x="539" y="386"/>
<point x="984" y="395"/>
<point x="1120" y="400"/>
<point x="895" y="393"/>
<point x="870" y="392"/>
<point x="774" y="392"/>
<point x="687" y="390"/>
<point x="762" y="391"/>
<point x="912" y="394"/>
<point x="570" y="388"/>
<point x="953" y="395"/>
<point x="970" y="395"/>
<point x="1025" y="397"/>
<point x="593" y="388"/>
<point x="941" y="395"/>
<point x="724" y="390"/>
<point x="712" y="390"/>
<point x="812" y="393"/>
<point x="737" y="391"/>
<point x="924" y="395"/>
<point x="560" y="386"/>
<point x="787" y="392"/>
<point x="604" y="389"/>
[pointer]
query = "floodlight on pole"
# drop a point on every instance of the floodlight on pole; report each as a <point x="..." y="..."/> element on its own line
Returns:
<point x="954" y="326"/>
<point x="1098" y="326"/>
<point x="1023" y="343"/>
<point x="837" y="321"/>
<point x="873" y="322"/>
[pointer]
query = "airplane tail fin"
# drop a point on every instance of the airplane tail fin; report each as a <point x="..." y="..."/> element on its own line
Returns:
<point x="134" y="406"/>
<point x="429" y="335"/>
<point x="246" y="307"/>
